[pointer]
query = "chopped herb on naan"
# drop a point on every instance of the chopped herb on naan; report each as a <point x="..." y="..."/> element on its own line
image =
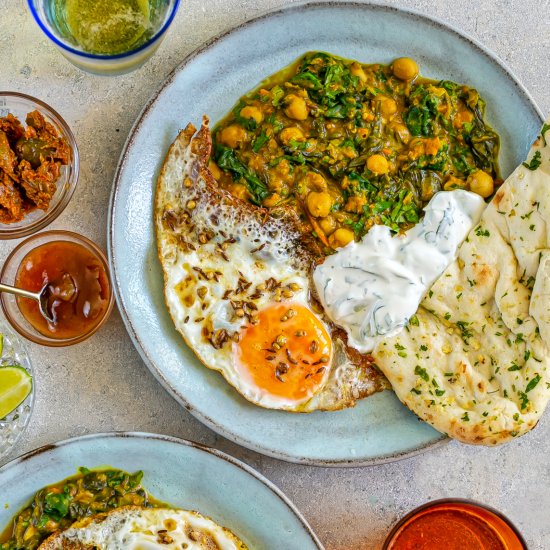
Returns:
<point x="475" y="363"/>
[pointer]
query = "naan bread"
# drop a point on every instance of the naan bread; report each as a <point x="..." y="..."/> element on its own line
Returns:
<point x="474" y="363"/>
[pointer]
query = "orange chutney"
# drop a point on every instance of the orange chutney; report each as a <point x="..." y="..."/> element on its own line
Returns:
<point x="457" y="525"/>
<point x="78" y="285"/>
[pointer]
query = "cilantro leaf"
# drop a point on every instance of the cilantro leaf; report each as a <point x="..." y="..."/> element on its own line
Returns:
<point x="534" y="163"/>
<point x="532" y="383"/>
<point x="545" y="129"/>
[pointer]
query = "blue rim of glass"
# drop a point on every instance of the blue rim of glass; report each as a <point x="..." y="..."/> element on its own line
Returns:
<point x="64" y="46"/>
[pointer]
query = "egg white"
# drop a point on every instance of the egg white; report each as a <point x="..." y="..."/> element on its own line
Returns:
<point x="246" y="262"/>
<point x="216" y="250"/>
<point x="135" y="528"/>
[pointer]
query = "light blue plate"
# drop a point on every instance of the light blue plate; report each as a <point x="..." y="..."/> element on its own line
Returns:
<point x="210" y="81"/>
<point x="180" y="473"/>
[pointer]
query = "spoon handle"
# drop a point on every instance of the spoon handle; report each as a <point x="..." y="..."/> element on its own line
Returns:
<point x="19" y="292"/>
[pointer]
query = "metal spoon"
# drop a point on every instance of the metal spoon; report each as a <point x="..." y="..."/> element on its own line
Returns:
<point x="41" y="297"/>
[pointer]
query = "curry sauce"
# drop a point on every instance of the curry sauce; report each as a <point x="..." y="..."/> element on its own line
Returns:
<point x="349" y="145"/>
<point x="58" y="506"/>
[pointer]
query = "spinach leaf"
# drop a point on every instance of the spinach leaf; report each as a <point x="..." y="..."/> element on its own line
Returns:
<point x="277" y="94"/>
<point x="226" y="160"/>
<point x="420" y="118"/>
<point x="57" y="504"/>
<point x="259" y="141"/>
<point x="329" y="83"/>
<point x="483" y="142"/>
<point x="362" y="182"/>
<point x="307" y="79"/>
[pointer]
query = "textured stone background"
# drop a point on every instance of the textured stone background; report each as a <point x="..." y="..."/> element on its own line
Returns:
<point x="102" y="385"/>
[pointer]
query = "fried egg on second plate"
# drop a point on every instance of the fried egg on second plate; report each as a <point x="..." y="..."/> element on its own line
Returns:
<point x="238" y="288"/>
<point x="137" y="528"/>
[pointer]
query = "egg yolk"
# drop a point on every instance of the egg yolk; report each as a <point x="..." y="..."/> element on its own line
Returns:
<point x="287" y="353"/>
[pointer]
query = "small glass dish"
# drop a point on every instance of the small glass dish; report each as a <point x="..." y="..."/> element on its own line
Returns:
<point x="19" y="105"/>
<point x="44" y="13"/>
<point x="13" y="425"/>
<point x="9" y="273"/>
<point x="455" y="524"/>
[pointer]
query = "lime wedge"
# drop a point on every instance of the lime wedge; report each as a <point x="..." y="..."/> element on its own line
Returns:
<point x="15" y="386"/>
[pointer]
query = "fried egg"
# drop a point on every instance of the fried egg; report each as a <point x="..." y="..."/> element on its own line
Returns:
<point x="238" y="288"/>
<point x="136" y="528"/>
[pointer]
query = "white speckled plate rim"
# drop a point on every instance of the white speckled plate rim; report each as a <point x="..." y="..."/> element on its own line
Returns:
<point x="157" y="372"/>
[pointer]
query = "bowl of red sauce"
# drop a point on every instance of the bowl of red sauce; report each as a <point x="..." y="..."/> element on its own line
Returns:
<point x="77" y="274"/>
<point x="454" y="524"/>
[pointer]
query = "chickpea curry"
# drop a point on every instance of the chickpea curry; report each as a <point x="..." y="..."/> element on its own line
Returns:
<point x="56" y="507"/>
<point x="349" y="145"/>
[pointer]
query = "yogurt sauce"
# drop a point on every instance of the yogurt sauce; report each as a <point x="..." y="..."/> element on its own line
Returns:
<point x="372" y="288"/>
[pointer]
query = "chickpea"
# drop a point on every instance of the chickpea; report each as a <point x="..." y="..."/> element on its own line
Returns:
<point x="291" y="134"/>
<point x="328" y="225"/>
<point x="272" y="200"/>
<point x="319" y="204"/>
<point x="405" y="68"/>
<point x="378" y="164"/>
<point x="233" y="135"/>
<point x="296" y="107"/>
<point x="252" y="112"/>
<point x="481" y="183"/>
<point x="341" y="237"/>
<point x="357" y="70"/>
<point x="388" y="106"/>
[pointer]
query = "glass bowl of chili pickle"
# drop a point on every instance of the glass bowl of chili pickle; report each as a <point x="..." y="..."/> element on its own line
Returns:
<point x="454" y="524"/>
<point x="75" y="272"/>
<point x="39" y="165"/>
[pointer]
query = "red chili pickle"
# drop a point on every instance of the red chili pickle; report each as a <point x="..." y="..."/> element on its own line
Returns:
<point x="454" y="525"/>
<point x="78" y="288"/>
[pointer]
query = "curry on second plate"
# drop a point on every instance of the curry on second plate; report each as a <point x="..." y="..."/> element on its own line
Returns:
<point x="349" y="145"/>
<point x="109" y="509"/>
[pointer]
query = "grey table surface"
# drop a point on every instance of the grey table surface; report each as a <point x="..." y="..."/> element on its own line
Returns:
<point x="102" y="384"/>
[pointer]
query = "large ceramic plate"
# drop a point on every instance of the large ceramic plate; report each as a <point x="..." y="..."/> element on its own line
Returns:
<point x="210" y="81"/>
<point x="180" y="473"/>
